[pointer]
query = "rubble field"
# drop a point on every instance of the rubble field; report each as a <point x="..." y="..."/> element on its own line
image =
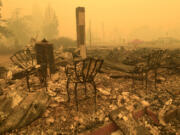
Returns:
<point x="61" y="117"/>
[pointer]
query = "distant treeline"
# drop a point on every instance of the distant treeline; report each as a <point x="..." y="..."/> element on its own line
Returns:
<point x="18" y="30"/>
<point x="62" y="41"/>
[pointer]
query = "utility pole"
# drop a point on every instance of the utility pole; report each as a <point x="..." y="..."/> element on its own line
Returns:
<point x="103" y="33"/>
<point x="90" y="36"/>
<point x="0" y="9"/>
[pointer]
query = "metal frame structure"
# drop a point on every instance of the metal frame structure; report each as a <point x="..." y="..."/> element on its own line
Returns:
<point x="25" y="60"/>
<point x="83" y="72"/>
<point x="152" y="62"/>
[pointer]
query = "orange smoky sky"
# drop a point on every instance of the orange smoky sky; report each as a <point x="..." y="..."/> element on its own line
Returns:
<point x="117" y="18"/>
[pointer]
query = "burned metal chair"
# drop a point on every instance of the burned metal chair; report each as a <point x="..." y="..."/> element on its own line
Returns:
<point x="151" y="62"/>
<point x="154" y="62"/>
<point x="83" y="72"/>
<point x="25" y="61"/>
<point x="137" y="61"/>
<point x="138" y="74"/>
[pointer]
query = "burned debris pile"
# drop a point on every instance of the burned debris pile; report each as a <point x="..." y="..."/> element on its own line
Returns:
<point x="124" y="101"/>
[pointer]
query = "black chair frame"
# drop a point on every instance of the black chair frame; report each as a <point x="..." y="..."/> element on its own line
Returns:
<point x="83" y="74"/>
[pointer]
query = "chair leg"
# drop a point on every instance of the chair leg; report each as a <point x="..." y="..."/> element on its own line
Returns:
<point x="146" y="80"/>
<point x="44" y="75"/>
<point x="142" y="77"/>
<point x="45" y="82"/>
<point x="39" y="77"/>
<point x="27" y="81"/>
<point x="67" y="88"/>
<point x="42" y="79"/>
<point x="133" y="82"/>
<point x="95" y="93"/>
<point x="75" y="93"/>
<point x="85" y="90"/>
<point x="155" y="78"/>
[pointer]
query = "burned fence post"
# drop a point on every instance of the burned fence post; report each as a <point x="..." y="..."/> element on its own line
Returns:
<point x="45" y="56"/>
<point x="80" y="28"/>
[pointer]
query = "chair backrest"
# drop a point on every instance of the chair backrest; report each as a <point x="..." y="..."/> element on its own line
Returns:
<point x="88" y="68"/>
<point x="3" y="72"/>
<point x="155" y="58"/>
<point x="23" y="59"/>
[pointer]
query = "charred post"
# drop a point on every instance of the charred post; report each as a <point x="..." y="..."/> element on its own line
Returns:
<point x="80" y="28"/>
<point x="45" y="56"/>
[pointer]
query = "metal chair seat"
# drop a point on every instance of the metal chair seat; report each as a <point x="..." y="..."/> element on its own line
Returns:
<point x="25" y="61"/>
<point x="152" y="63"/>
<point x="82" y="72"/>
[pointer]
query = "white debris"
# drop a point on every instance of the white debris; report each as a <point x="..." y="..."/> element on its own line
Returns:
<point x="105" y="92"/>
<point x="37" y="66"/>
<point x="106" y="119"/>
<point x="46" y="113"/>
<point x="162" y="78"/>
<point x="118" y="132"/>
<point x="169" y="102"/>
<point x="54" y="105"/>
<point x="55" y="77"/>
<point x="9" y="75"/>
<point x="154" y="130"/>
<point x="125" y="118"/>
<point x="81" y="120"/>
<point x="113" y="107"/>
<point x="16" y="99"/>
<point x="130" y="108"/>
<point x="120" y="97"/>
<point x="59" y="99"/>
<point x="51" y="93"/>
<point x="2" y="83"/>
<point x="120" y="115"/>
<point x="101" y="116"/>
<point x="135" y="97"/>
<point x="116" y="89"/>
<point x="125" y="93"/>
<point x="63" y="118"/>
<point x="49" y="120"/>
<point x="145" y="103"/>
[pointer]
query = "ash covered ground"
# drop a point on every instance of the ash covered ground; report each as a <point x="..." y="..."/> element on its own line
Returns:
<point x="114" y="91"/>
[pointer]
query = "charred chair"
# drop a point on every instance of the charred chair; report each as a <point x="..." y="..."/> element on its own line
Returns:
<point x="137" y="62"/>
<point x="138" y="73"/>
<point x="26" y="61"/>
<point x="83" y="72"/>
<point x="154" y="62"/>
